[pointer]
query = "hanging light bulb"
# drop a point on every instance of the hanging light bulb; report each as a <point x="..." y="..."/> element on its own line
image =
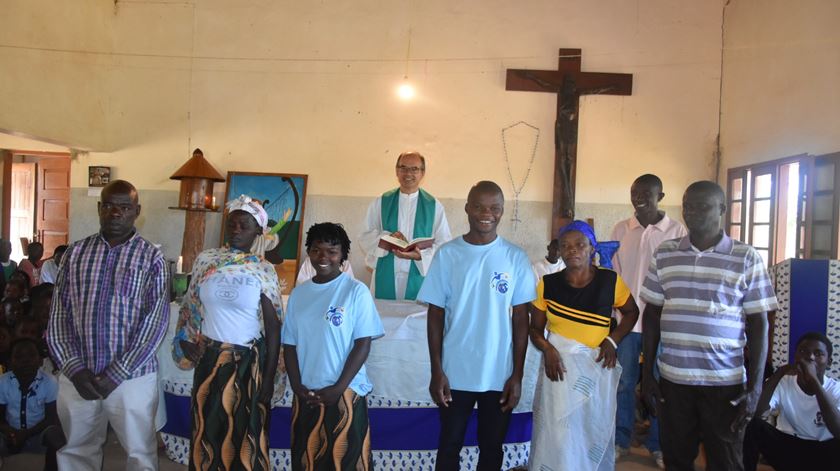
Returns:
<point x="405" y="91"/>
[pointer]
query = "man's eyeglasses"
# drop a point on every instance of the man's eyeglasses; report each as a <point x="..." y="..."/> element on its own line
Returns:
<point x="404" y="169"/>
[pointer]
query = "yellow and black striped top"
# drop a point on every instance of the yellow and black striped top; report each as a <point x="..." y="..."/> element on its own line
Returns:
<point x="581" y="314"/>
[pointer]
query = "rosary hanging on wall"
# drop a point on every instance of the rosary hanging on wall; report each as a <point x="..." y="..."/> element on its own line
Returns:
<point x="518" y="189"/>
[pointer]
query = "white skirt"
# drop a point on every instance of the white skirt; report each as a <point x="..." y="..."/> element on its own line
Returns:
<point x="574" y="419"/>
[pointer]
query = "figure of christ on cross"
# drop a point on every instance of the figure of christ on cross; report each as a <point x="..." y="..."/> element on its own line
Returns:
<point x="569" y="83"/>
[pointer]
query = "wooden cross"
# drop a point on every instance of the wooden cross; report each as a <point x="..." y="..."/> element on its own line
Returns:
<point x="569" y="83"/>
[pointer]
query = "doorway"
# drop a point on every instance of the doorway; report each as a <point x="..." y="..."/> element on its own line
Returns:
<point x="36" y="200"/>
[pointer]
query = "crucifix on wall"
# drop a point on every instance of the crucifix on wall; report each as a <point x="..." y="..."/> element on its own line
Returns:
<point x="569" y="83"/>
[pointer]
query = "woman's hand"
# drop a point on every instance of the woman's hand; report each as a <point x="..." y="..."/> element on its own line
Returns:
<point x="554" y="367"/>
<point x="302" y="392"/>
<point x="266" y="393"/>
<point x="193" y="351"/>
<point x="326" y="396"/>
<point x="607" y="353"/>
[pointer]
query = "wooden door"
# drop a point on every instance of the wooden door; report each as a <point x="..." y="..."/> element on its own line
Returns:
<point x="22" y="201"/>
<point x="52" y="212"/>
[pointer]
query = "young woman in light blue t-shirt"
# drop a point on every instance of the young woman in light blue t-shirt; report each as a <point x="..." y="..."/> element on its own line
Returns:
<point x="330" y="323"/>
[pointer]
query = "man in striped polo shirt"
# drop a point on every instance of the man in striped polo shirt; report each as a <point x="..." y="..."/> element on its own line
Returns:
<point x="707" y="298"/>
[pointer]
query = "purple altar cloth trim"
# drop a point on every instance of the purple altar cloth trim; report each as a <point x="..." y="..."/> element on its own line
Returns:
<point x="390" y="428"/>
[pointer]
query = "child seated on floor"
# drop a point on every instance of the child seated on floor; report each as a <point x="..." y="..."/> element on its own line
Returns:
<point x="12" y="310"/>
<point x="806" y="402"/>
<point x="26" y="283"/>
<point x="40" y="300"/>
<point x="15" y="289"/>
<point x="28" y="327"/>
<point x="29" y="422"/>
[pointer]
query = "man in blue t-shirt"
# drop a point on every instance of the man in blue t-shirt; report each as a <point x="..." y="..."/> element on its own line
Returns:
<point x="477" y="351"/>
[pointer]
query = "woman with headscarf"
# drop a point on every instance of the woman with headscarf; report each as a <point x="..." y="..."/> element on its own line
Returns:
<point x="575" y="401"/>
<point x="229" y="330"/>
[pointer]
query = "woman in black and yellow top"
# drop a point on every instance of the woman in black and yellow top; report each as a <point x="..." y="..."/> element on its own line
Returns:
<point x="575" y="403"/>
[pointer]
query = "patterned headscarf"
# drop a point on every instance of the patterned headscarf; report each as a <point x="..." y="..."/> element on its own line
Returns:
<point x="265" y="241"/>
<point x="250" y="206"/>
<point x="583" y="228"/>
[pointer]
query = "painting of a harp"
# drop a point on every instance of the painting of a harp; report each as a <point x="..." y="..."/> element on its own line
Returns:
<point x="282" y="195"/>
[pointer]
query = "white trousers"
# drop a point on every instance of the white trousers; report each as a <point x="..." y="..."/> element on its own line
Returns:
<point x="130" y="409"/>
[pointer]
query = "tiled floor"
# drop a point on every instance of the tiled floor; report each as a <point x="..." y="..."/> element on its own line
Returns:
<point x="638" y="460"/>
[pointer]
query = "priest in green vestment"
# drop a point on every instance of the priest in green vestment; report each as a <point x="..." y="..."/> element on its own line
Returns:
<point x="407" y="213"/>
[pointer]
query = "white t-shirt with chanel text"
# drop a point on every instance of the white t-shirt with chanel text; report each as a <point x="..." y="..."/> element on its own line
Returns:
<point x="231" y="307"/>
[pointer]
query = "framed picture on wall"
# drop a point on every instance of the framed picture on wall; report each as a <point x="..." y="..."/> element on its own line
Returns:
<point x="282" y="196"/>
<point x="99" y="176"/>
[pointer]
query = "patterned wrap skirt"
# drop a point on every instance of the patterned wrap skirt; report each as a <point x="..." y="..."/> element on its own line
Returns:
<point x="229" y="425"/>
<point x="331" y="438"/>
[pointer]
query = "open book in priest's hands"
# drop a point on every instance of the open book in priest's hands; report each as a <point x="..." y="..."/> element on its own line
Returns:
<point x="389" y="243"/>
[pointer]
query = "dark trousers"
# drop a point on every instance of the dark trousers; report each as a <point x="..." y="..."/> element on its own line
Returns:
<point x="492" y="427"/>
<point x="785" y="452"/>
<point x="692" y="414"/>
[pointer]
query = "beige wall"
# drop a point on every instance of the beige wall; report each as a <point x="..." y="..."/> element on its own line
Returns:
<point x="780" y="81"/>
<point x="308" y="88"/>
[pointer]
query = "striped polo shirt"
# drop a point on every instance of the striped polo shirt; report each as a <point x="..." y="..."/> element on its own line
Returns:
<point x="705" y="298"/>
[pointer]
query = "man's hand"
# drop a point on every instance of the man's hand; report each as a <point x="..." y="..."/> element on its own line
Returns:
<point x="511" y="394"/>
<point x="84" y="383"/>
<point x="746" y="402"/>
<point x="554" y="367"/>
<point x="399" y="235"/>
<point x="651" y="394"/>
<point x="104" y="385"/>
<point x="607" y="353"/>
<point x="193" y="351"/>
<point x="408" y="255"/>
<point x="326" y="396"/>
<point x="787" y="370"/>
<point x="439" y="390"/>
<point x="806" y="375"/>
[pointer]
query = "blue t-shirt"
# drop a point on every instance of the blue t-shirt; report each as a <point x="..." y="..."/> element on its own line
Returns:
<point x="43" y="390"/>
<point x="323" y="321"/>
<point x="477" y="285"/>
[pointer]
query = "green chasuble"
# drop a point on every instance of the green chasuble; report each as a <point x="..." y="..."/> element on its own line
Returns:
<point x="424" y="219"/>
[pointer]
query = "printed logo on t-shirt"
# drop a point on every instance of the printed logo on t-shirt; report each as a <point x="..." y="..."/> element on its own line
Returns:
<point x="500" y="282"/>
<point x="228" y="287"/>
<point x="818" y="421"/>
<point x="228" y="294"/>
<point x="335" y="315"/>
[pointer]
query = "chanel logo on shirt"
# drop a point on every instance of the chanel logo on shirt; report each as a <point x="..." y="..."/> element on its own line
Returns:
<point x="227" y="294"/>
<point x="335" y="315"/>
<point x="500" y="282"/>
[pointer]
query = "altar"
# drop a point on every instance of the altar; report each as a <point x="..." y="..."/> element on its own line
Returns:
<point x="404" y="422"/>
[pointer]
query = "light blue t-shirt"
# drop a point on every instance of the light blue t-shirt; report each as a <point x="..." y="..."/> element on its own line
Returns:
<point x="323" y="321"/>
<point x="477" y="285"/>
<point x="43" y="390"/>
